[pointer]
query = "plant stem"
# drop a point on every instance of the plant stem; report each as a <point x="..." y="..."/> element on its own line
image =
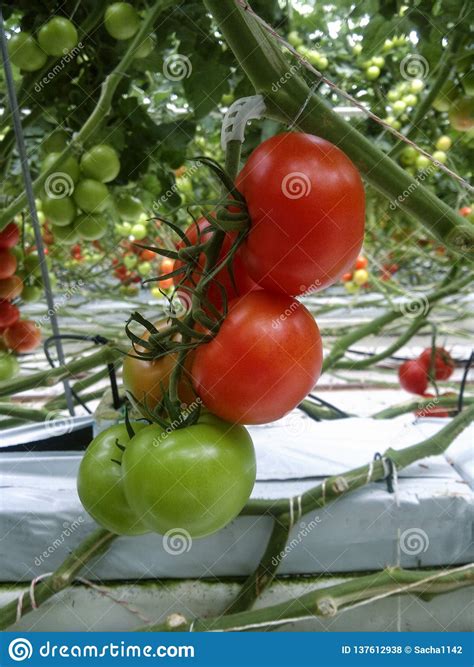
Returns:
<point x="264" y="65"/>
<point x="25" y="414"/>
<point x="420" y="404"/>
<point x="329" y="601"/>
<point x="98" y="542"/>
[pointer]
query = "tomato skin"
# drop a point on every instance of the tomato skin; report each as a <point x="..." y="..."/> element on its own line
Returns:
<point x="443" y="362"/>
<point x="11" y="287"/>
<point x="9" y="314"/>
<point x="413" y="377"/>
<point x="307" y="208"/>
<point x="101" y="162"/>
<point x="23" y="336"/>
<point x="100" y="482"/>
<point x="58" y="36"/>
<point x="264" y="360"/>
<point x="7" y="264"/>
<point x="200" y="233"/>
<point x="196" y="479"/>
<point x="9" y="236"/>
<point x="121" y="20"/>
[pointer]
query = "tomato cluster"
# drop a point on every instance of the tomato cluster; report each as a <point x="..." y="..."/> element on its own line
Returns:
<point x="17" y="335"/>
<point x="55" y="38"/>
<point x="358" y="277"/>
<point x="193" y="480"/>
<point x="414" y="376"/>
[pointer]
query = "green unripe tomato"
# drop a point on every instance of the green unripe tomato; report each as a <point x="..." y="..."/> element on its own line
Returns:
<point x="91" y="227"/>
<point x="56" y="142"/>
<point x="144" y="269"/>
<point x="31" y="293"/>
<point x="393" y="122"/>
<point x="100" y="482"/>
<point x="461" y="114"/>
<point x="25" y="53"/>
<point x="312" y="56"/>
<point x="294" y="39"/>
<point x="323" y="63"/>
<point x="91" y="196"/>
<point x="392" y="95"/>
<point x="360" y="277"/>
<point x="446" y="96"/>
<point x="387" y="45"/>
<point x="227" y="99"/>
<point x="9" y="366"/>
<point x="59" y="211"/>
<point x="128" y="207"/>
<point x="410" y="99"/>
<point x="468" y="83"/>
<point x="399" y="106"/>
<point x="58" y="36"/>
<point x="379" y="61"/>
<point x="444" y="143"/>
<point x="130" y="261"/>
<point x="146" y="47"/>
<point x="372" y="72"/>
<point x="408" y="155"/>
<point x="357" y="49"/>
<point x="121" y="20"/>
<point x="101" y="162"/>
<point x="124" y="228"/>
<point x="138" y="231"/>
<point x="41" y="217"/>
<point x="69" y="166"/>
<point x="196" y="479"/>
<point x="440" y="156"/>
<point x="416" y="85"/>
<point x="422" y="162"/>
<point x="351" y="287"/>
<point x="66" y="235"/>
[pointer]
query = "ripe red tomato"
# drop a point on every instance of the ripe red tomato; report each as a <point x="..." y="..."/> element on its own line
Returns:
<point x="264" y="360"/>
<point x="443" y="362"/>
<point x="433" y="410"/>
<point x="23" y="336"/>
<point x="361" y="262"/>
<point x="7" y="264"/>
<point x="201" y="233"/>
<point x="307" y="208"/>
<point x="413" y="376"/>
<point x="465" y="211"/>
<point x="9" y="314"/>
<point x="9" y="236"/>
<point x="11" y="287"/>
<point x="346" y="277"/>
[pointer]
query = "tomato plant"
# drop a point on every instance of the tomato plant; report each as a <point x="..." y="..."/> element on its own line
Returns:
<point x="264" y="360"/>
<point x="100" y="482"/>
<point x="196" y="478"/>
<point x="306" y="205"/>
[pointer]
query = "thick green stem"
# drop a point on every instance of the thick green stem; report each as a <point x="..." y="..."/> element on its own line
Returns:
<point x="420" y="405"/>
<point x="25" y="414"/>
<point x="98" y="542"/>
<point x="265" y="66"/>
<point x="329" y="601"/>
<point x="101" y="111"/>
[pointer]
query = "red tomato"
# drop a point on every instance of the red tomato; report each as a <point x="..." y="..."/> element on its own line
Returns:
<point x="465" y="211"/>
<point x="11" y="287"/>
<point x="9" y="236"/>
<point x="413" y="376"/>
<point x="9" y="314"/>
<point x="443" y="362"/>
<point x="7" y="264"/>
<point x="148" y="255"/>
<point x="243" y="282"/>
<point x="23" y="336"/>
<point x="307" y="208"/>
<point x="361" y="262"/>
<point x="346" y="277"/>
<point x="264" y="360"/>
<point x="433" y="410"/>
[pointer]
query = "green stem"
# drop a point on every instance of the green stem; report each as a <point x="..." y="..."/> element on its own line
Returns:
<point x="265" y="65"/>
<point x="420" y="404"/>
<point x="98" y="542"/>
<point x="25" y="414"/>
<point x="100" y="113"/>
<point x="329" y="601"/>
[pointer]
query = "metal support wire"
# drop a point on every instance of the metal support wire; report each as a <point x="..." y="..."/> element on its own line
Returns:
<point x="13" y="102"/>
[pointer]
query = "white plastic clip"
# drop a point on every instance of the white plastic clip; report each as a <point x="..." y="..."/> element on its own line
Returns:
<point x="237" y="117"/>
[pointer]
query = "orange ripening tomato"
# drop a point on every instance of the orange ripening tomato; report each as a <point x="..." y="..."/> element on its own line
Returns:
<point x="9" y="236"/>
<point x="23" y="336"/>
<point x="11" y="287"/>
<point x="346" y="277"/>
<point x="361" y="262"/>
<point x="306" y="204"/>
<point x="264" y="360"/>
<point x="167" y="265"/>
<point x="7" y="264"/>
